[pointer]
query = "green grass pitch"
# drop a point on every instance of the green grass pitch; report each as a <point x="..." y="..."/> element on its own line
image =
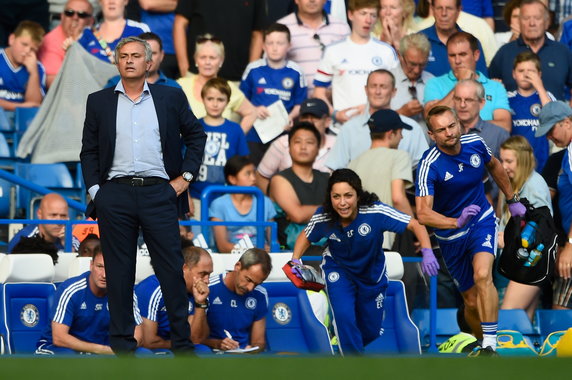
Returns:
<point x="291" y="368"/>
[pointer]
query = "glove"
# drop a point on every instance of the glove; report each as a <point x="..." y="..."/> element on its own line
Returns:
<point x="517" y="209"/>
<point x="467" y="214"/>
<point x="296" y="268"/>
<point x="430" y="265"/>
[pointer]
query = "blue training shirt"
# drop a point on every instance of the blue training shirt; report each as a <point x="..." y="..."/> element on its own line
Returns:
<point x="263" y="85"/>
<point x="455" y="181"/>
<point x="90" y="42"/>
<point x="14" y="80"/>
<point x="223" y="142"/>
<point x="358" y="247"/>
<point x="234" y="313"/>
<point x="525" y="111"/>
<point x="565" y="189"/>
<point x="152" y="305"/>
<point x="86" y="314"/>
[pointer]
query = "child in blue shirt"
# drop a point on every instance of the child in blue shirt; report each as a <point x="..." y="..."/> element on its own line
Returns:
<point x="224" y="139"/>
<point x="22" y="76"/>
<point x="238" y="171"/>
<point x="270" y="79"/>
<point x="527" y="101"/>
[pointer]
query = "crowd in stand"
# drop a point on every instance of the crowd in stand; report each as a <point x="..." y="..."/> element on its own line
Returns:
<point x="289" y="91"/>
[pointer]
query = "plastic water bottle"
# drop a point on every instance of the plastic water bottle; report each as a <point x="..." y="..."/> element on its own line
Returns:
<point x="535" y="256"/>
<point x="528" y="233"/>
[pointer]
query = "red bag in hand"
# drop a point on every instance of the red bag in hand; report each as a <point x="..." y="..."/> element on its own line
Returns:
<point x="303" y="276"/>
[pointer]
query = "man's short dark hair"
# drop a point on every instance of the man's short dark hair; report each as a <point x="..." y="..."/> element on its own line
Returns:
<point x="381" y="71"/>
<point x="464" y="36"/>
<point x="436" y="111"/>
<point x="277" y="27"/>
<point x="192" y="255"/>
<point x="150" y="36"/>
<point x="305" y="125"/>
<point x="255" y="256"/>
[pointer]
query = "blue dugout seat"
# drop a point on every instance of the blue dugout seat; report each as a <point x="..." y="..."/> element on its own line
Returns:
<point x="553" y="320"/>
<point x="400" y="335"/>
<point x="291" y="326"/>
<point x="23" y="117"/>
<point x="446" y="325"/>
<point x="26" y="291"/>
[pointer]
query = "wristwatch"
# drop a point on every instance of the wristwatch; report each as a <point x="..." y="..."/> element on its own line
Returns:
<point x="202" y="305"/>
<point x="515" y="199"/>
<point x="187" y="176"/>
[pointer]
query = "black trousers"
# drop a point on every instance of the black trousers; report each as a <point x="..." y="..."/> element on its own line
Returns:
<point x="121" y="210"/>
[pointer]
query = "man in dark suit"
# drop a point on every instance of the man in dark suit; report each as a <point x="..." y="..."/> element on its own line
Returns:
<point x="134" y="171"/>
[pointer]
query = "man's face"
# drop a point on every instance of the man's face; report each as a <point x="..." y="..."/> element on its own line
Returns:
<point x="413" y="63"/>
<point x="156" y="57"/>
<point x="246" y="280"/>
<point x="131" y="61"/>
<point x="21" y="47"/>
<point x="310" y="7"/>
<point x="73" y="25"/>
<point x="445" y="130"/>
<point x="446" y="14"/>
<point x="322" y="123"/>
<point x="304" y="147"/>
<point x="53" y="209"/>
<point x="362" y="21"/>
<point x="461" y="56"/>
<point x="561" y="133"/>
<point x="86" y="248"/>
<point x="200" y="272"/>
<point x="97" y="276"/>
<point x="379" y="90"/>
<point x="533" y="21"/>
<point x="466" y="103"/>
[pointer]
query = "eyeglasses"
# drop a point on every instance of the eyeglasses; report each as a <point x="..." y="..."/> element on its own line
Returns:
<point x="415" y="64"/>
<point x="80" y="14"/>
<point x="468" y="101"/>
<point x="412" y="91"/>
<point x="316" y="38"/>
<point x="207" y="38"/>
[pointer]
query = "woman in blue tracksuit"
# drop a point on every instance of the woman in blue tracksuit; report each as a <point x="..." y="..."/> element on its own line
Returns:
<point x="353" y="221"/>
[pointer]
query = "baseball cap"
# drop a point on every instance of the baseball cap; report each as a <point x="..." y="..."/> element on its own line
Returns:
<point x="386" y="120"/>
<point x="550" y="114"/>
<point x="314" y="106"/>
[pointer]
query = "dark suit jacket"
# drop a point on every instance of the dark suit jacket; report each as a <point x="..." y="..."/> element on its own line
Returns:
<point x="177" y="126"/>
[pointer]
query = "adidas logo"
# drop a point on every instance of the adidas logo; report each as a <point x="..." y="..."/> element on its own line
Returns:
<point x="217" y="301"/>
<point x="83" y="306"/>
<point x="344" y="61"/>
<point x="448" y="176"/>
<point x="262" y="81"/>
<point x="334" y="237"/>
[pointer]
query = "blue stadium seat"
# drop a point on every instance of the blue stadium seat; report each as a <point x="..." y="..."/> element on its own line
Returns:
<point x="400" y="335"/>
<point x="446" y="325"/>
<point x="26" y="292"/>
<point x="53" y="176"/>
<point x="291" y="326"/>
<point x="553" y="320"/>
<point x="4" y="122"/>
<point x="23" y="117"/>
<point x="5" y="198"/>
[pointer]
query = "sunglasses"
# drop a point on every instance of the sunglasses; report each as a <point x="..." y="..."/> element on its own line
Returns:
<point x="203" y="39"/>
<point x="80" y="14"/>
<point x="316" y="38"/>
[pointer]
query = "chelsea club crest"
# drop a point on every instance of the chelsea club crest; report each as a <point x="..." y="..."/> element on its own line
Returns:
<point x="29" y="315"/>
<point x="475" y="160"/>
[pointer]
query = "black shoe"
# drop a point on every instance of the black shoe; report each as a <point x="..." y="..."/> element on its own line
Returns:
<point x="479" y="351"/>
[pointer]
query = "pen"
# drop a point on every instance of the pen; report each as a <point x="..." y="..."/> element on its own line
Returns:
<point x="227" y="334"/>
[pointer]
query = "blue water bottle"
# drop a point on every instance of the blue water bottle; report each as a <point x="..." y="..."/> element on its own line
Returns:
<point x="535" y="256"/>
<point x="528" y="233"/>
